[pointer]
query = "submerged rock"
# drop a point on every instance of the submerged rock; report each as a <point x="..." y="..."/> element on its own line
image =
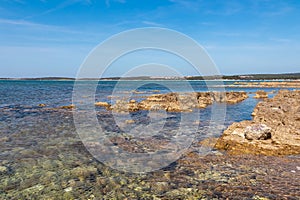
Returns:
<point x="129" y="121"/>
<point x="274" y="130"/>
<point x="72" y="106"/>
<point x="3" y="169"/>
<point x="102" y="104"/>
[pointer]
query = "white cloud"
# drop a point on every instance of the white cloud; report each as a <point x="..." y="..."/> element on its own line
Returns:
<point x="21" y="22"/>
<point x="207" y="23"/>
<point x="38" y="26"/>
<point x="281" y="40"/>
<point x="151" y="23"/>
<point x="60" y="6"/>
<point x="191" y="5"/>
<point x="227" y="34"/>
<point x="107" y="2"/>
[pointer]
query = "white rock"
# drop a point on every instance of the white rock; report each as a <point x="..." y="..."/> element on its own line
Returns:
<point x="69" y="189"/>
<point x="257" y="132"/>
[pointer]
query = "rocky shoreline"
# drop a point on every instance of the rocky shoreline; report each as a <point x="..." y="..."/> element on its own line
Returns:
<point x="175" y="102"/>
<point x="267" y="84"/>
<point x="274" y="130"/>
<point x="43" y="158"/>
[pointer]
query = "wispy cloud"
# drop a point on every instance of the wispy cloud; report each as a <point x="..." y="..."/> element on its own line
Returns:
<point x="247" y="46"/>
<point x="278" y="12"/>
<point x="281" y="40"/>
<point x="207" y="23"/>
<point x="269" y="8"/>
<point x="38" y="26"/>
<point x="60" y="6"/>
<point x="227" y="34"/>
<point x="107" y="2"/>
<point x="226" y="8"/>
<point x="191" y="5"/>
<point x="21" y="23"/>
<point x="151" y="23"/>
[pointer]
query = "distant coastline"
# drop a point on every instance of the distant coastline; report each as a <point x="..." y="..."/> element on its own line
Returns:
<point x="283" y="76"/>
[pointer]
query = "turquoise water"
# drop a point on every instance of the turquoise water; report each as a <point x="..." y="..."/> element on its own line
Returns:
<point x="42" y="156"/>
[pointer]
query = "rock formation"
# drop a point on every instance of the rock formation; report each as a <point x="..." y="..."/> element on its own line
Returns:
<point x="274" y="130"/>
<point x="102" y="104"/>
<point x="268" y="84"/>
<point x="260" y="94"/>
<point x="176" y="102"/>
<point x="68" y="107"/>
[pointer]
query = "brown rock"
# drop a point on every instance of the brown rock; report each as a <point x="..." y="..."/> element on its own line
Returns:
<point x="260" y="94"/>
<point x="72" y="106"/>
<point x="279" y="135"/>
<point x="235" y="97"/>
<point x="176" y="102"/>
<point x="257" y="132"/>
<point x="102" y="104"/>
<point x="132" y="101"/>
<point x="129" y="121"/>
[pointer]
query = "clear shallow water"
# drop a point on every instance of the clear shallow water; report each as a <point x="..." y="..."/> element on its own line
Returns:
<point x="42" y="157"/>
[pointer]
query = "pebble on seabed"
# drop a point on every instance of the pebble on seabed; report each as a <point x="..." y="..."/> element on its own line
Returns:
<point x="3" y="169"/>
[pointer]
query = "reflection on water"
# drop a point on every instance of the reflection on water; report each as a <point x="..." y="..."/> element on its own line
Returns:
<point x="42" y="157"/>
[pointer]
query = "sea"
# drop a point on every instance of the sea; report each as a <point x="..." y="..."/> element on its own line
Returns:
<point x="42" y="155"/>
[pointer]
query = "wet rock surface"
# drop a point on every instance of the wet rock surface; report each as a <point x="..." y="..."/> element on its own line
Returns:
<point x="257" y="132"/>
<point x="274" y="130"/>
<point x="177" y="102"/>
<point x="102" y="104"/>
<point x="261" y="94"/>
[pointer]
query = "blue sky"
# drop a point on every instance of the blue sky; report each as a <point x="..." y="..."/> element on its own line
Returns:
<point x="52" y="38"/>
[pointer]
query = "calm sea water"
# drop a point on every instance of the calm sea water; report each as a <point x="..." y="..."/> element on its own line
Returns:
<point x="57" y="93"/>
<point x="41" y="156"/>
<point x="28" y="94"/>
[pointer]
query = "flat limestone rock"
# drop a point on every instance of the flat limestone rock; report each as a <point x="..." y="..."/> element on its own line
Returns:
<point x="260" y="94"/>
<point x="102" y="104"/>
<point x="274" y="130"/>
<point x="179" y="102"/>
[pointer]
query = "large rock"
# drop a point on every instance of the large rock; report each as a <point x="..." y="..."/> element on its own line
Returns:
<point x="124" y="106"/>
<point x="257" y="132"/>
<point x="274" y="130"/>
<point x="177" y="102"/>
<point x="235" y="97"/>
<point x="260" y="94"/>
<point x="102" y="104"/>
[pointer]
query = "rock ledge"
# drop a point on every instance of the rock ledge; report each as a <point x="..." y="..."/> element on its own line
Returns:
<point x="274" y="130"/>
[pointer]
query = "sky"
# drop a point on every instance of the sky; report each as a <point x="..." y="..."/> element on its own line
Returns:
<point x="41" y="38"/>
